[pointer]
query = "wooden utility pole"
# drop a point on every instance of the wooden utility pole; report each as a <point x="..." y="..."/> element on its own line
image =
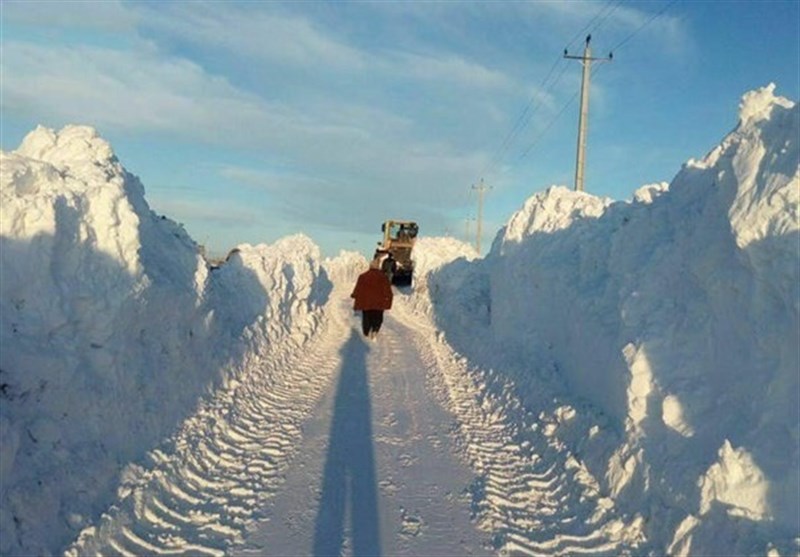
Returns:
<point x="583" y="118"/>
<point x="481" y="188"/>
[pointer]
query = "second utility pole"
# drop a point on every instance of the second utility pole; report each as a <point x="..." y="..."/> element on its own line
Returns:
<point x="583" y="118"/>
<point x="481" y="189"/>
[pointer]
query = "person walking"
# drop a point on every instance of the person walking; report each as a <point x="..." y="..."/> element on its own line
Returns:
<point x="389" y="266"/>
<point x="372" y="296"/>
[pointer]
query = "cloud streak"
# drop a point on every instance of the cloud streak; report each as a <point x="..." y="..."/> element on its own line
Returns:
<point x="267" y="36"/>
<point x="110" y="16"/>
<point x="140" y="91"/>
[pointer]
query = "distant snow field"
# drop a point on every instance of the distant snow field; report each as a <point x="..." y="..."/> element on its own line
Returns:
<point x="614" y="377"/>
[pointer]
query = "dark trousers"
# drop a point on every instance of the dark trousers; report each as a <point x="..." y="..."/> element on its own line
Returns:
<point x="371" y="320"/>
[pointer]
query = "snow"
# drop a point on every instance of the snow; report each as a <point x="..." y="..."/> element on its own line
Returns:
<point x="113" y="327"/>
<point x="736" y="481"/>
<point x="613" y="377"/>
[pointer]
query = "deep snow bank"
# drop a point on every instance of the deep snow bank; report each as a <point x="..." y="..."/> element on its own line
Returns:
<point x="449" y="285"/>
<point x="111" y="327"/>
<point x="677" y="314"/>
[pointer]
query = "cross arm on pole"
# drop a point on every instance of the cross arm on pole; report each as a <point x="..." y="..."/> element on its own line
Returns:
<point x="608" y="58"/>
<point x="586" y="56"/>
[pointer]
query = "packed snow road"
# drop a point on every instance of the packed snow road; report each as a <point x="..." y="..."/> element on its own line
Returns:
<point x="376" y="473"/>
<point x="339" y="445"/>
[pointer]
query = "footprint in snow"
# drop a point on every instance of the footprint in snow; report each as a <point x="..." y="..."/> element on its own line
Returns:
<point x="411" y="526"/>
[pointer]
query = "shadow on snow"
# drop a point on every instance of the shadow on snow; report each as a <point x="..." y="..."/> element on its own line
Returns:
<point x="349" y="480"/>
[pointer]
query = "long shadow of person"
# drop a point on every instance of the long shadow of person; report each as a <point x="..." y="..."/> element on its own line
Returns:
<point x="349" y="475"/>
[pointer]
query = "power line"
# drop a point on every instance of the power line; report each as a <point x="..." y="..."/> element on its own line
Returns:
<point x="588" y="27"/>
<point x="606" y="17"/>
<point x="552" y="121"/>
<point x="598" y="20"/>
<point x="525" y="117"/>
<point x="619" y="45"/>
<point x="518" y="125"/>
<point x="643" y="25"/>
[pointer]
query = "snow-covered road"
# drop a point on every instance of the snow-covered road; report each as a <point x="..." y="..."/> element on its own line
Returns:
<point x="326" y="445"/>
<point x="340" y="445"/>
<point x="376" y="473"/>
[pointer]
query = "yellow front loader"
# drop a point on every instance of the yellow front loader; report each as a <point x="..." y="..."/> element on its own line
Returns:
<point x="399" y="237"/>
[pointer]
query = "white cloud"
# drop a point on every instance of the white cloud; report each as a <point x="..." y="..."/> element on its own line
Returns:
<point x="448" y="68"/>
<point x="105" y="15"/>
<point x="275" y="180"/>
<point x="129" y="90"/>
<point x="298" y="42"/>
<point x="139" y="91"/>
<point x="208" y="211"/>
<point x="263" y="35"/>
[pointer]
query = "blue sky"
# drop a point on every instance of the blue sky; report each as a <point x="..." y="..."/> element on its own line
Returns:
<point x="248" y="121"/>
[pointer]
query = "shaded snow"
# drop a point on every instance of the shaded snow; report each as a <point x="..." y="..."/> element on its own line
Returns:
<point x="676" y="315"/>
<point x="112" y="327"/>
<point x="622" y="376"/>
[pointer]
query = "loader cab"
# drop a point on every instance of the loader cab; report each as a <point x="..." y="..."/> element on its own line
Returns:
<point x="399" y="231"/>
<point x="398" y="239"/>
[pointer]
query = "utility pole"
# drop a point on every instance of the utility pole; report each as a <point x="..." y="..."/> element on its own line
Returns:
<point x="583" y="117"/>
<point x="481" y="188"/>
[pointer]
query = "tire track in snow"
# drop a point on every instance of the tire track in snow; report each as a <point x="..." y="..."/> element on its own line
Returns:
<point x="531" y="493"/>
<point x="197" y="495"/>
<point x="419" y="505"/>
<point x="424" y="478"/>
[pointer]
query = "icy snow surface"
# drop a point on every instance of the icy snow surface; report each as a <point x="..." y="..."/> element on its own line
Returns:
<point x="613" y="378"/>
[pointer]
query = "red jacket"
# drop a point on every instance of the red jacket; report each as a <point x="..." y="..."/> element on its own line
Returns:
<point x="372" y="291"/>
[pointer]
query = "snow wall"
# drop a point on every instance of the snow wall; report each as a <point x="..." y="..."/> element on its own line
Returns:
<point x="676" y="314"/>
<point x="112" y="326"/>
